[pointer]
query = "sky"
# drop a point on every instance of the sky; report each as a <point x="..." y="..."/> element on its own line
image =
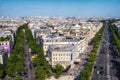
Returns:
<point x="62" y="8"/>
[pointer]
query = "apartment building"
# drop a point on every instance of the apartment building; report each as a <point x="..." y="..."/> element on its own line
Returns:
<point x="117" y="26"/>
<point x="60" y="40"/>
<point x="3" y="55"/>
<point x="6" y="40"/>
<point x="64" y="55"/>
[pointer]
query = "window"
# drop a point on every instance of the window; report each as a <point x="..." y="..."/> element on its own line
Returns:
<point x="45" y="47"/>
<point x="66" y="54"/>
<point x="69" y="54"/>
<point x="53" y="54"/>
<point x="54" y="62"/>
<point x="66" y="57"/>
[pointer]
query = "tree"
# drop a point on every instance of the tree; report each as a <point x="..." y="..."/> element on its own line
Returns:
<point x="58" y="70"/>
<point x="41" y="75"/>
<point x="96" y="43"/>
<point x="10" y="70"/>
<point x="17" y="77"/>
<point x="1" y="70"/>
<point x="40" y="60"/>
<point x="15" y="62"/>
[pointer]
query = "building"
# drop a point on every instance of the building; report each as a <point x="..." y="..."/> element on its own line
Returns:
<point x="117" y="26"/>
<point x="3" y="55"/>
<point x="43" y="31"/>
<point x="64" y="55"/>
<point x="61" y="40"/>
<point x="6" y="40"/>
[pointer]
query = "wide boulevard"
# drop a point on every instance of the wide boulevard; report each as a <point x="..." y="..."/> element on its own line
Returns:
<point x="107" y="65"/>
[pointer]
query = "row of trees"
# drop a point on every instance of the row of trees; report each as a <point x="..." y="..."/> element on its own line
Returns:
<point x="15" y="63"/>
<point x="96" y="43"/>
<point x="2" y="71"/>
<point x="58" y="70"/>
<point x="116" y="36"/>
<point x="42" y="67"/>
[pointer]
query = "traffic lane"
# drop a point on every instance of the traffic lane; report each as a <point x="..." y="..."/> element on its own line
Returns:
<point x="27" y="58"/>
<point x="101" y="59"/>
<point x="27" y="66"/>
<point x="113" y="58"/>
<point x="100" y="66"/>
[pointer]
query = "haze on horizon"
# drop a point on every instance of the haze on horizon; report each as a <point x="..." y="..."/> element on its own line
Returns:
<point x="64" y="8"/>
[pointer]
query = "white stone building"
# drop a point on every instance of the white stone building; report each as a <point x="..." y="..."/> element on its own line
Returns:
<point x="64" y="55"/>
<point x="55" y="39"/>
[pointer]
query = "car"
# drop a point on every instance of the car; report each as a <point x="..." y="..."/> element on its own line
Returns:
<point x="26" y="76"/>
<point x="95" y="67"/>
<point x="101" y="72"/>
<point x="112" y="67"/>
<point x="13" y="76"/>
<point x="30" y="66"/>
<point x="101" y="68"/>
<point x="23" y="73"/>
<point x="87" y="59"/>
<point x="85" y="64"/>
<point x="114" y="57"/>
<point x="98" y="72"/>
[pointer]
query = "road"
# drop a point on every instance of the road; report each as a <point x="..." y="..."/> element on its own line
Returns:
<point x="104" y="68"/>
<point x="114" y="60"/>
<point x="75" y="72"/>
<point x="28" y="63"/>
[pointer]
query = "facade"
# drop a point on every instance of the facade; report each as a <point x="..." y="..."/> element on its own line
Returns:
<point x="116" y="26"/>
<point x="43" y="31"/>
<point x="55" y="39"/>
<point x="3" y="56"/>
<point x="81" y="37"/>
<point x="64" y="55"/>
<point x="6" y="40"/>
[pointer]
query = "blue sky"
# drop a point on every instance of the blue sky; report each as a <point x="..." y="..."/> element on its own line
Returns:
<point x="65" y="8"/>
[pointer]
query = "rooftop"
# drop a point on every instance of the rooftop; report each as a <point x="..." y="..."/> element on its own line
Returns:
<point x="58" y="38"/>
<point x="5" y="38"/>
<point x="62" y="48"/>
<point x="5" y="35"/>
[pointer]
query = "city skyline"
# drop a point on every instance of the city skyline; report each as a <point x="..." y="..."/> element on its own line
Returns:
<point x="62" y="8"/>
